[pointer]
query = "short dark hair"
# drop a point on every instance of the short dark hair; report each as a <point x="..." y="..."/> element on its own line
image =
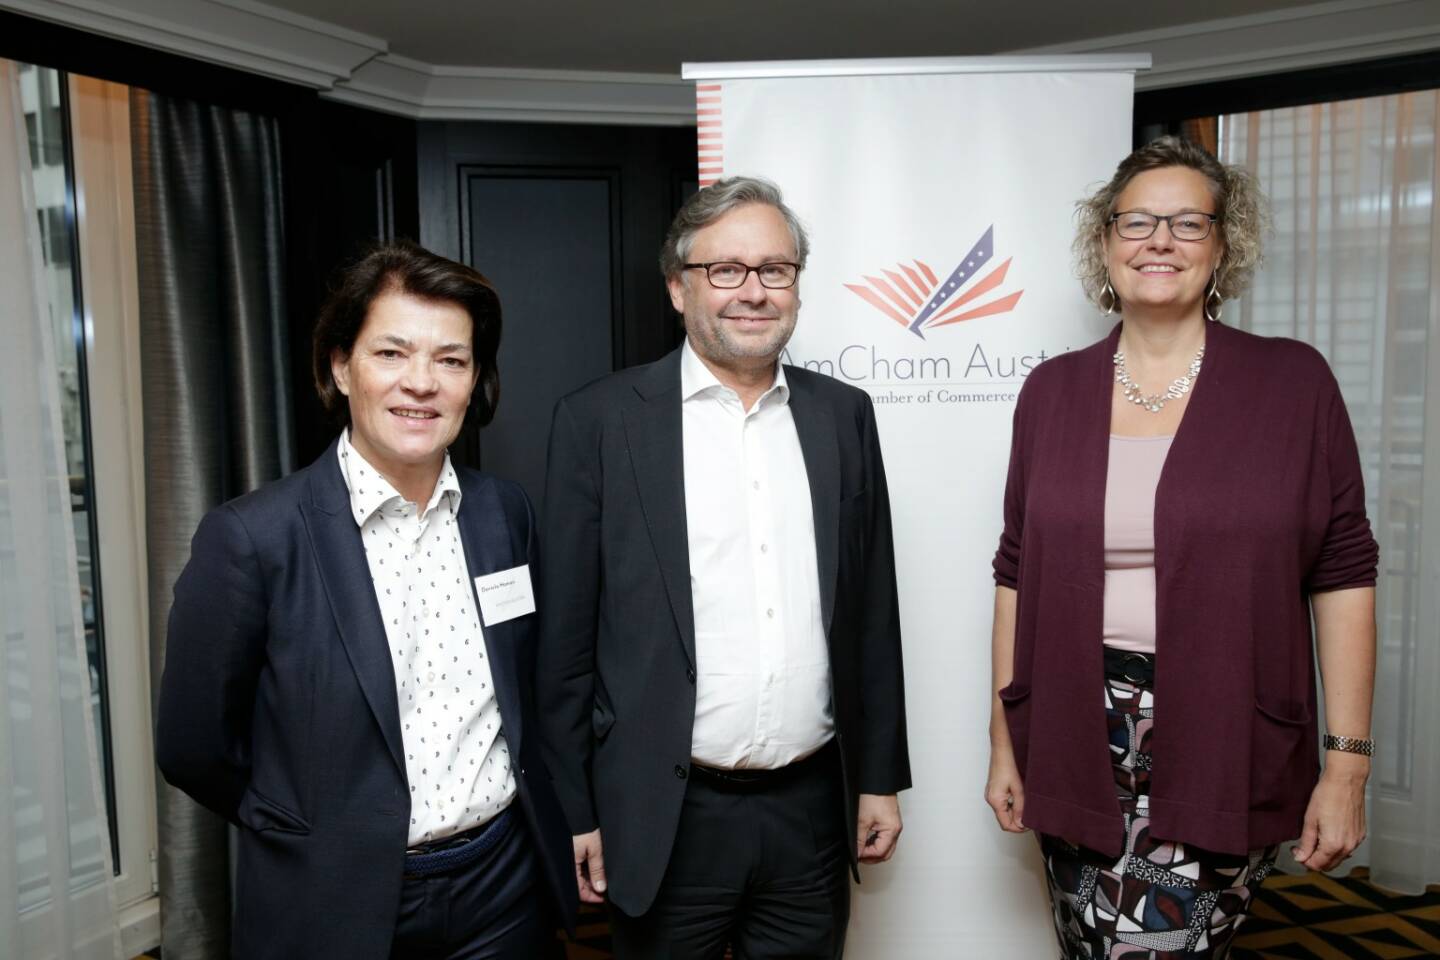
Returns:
<point x="402" y="266"/>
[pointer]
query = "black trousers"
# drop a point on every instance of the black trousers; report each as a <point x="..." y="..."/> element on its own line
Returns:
<point x="492" y="908"/>
<point x="764" y="870"/>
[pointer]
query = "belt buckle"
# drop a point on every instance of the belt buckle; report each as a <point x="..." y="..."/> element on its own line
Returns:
<point x="737" y="777"/>
<point x="453" y="842"/>
<point x="1133" y="658"/>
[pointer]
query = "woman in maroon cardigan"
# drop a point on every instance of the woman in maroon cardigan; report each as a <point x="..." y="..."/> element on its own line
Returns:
<point x="1182" y="498"/>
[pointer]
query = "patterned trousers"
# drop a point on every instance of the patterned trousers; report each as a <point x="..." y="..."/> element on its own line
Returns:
<point x="1160" y="900"/>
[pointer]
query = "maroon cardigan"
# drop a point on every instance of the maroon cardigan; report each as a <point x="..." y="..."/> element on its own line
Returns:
<point x="1261" y="503"/>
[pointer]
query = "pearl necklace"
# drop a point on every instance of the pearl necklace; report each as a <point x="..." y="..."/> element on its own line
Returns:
<point x="1155" y="402"/>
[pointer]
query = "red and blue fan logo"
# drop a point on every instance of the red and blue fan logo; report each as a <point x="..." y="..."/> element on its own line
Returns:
<point x="916" y="299"/>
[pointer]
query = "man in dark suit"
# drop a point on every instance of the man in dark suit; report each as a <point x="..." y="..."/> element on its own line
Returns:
<point x="350" y="656"/>
<point x="720" y="680"/>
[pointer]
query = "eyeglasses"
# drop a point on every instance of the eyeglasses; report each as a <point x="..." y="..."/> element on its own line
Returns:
<point x="1134" y="225"/>
<point x="729" y="274"/>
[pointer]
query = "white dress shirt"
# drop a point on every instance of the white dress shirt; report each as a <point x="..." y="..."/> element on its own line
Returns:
<point x="455" y="754"/>
<point x="762" y="684"/>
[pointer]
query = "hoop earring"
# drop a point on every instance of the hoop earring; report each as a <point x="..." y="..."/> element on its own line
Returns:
<point x="1213" y="294"/>
<point x="1108" y="298"/>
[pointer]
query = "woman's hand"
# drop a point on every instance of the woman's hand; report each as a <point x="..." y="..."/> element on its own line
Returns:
<point x="1335" y="818"/>
<point x="1345" y="640"/>
<point x="1004" y="791"/>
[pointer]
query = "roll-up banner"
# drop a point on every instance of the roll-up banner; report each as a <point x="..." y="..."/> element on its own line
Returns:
<point x="939" y="195"/>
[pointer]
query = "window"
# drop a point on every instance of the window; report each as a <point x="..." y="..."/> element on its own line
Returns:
<point x="80" y="159"/>
<point x="1353" y="267"/>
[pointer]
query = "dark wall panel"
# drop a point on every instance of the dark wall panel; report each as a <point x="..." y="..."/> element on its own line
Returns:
<point x="548" y="245"/>
<point x="350" y="181"/>
<point x="567" y="221"/>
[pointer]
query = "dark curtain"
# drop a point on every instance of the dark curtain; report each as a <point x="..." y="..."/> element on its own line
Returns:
<point x="208" y="224"/>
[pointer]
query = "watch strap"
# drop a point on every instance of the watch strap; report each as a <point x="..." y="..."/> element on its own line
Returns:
<point x="1361" y="745"/>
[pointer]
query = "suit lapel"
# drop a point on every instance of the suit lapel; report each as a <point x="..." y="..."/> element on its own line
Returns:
<point x="486" y="536"/>
<point x="819" y="444"/>
<point x="340" y="555"/>
<point x="654" y="432"/>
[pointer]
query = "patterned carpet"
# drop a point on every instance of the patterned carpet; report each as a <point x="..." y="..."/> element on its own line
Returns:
<point x="1311" y="917"/>
<point x="1315" y="916"/>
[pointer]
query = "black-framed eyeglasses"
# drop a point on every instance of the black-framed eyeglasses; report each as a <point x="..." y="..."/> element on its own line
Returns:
<point x="1137" y="225"/>
<point x="729" y="274"/>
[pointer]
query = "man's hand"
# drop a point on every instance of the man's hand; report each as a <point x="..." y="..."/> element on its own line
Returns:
<point x="589" y="867"/>
<point x="877" y="827"/>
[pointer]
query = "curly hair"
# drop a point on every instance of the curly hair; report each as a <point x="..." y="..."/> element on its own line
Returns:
<point x="1243" y="215"/>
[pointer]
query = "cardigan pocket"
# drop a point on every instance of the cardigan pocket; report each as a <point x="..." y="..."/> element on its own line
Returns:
<point x="1015" y="699"/>
<point x="1276" y="752"/>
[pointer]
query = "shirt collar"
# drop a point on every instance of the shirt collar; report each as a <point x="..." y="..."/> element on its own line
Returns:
<point x="696" y="379"/>
<point x="370" y="492"/>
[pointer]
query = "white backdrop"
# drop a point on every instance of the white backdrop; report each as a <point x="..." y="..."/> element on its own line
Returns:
<point x="923" y="188"/>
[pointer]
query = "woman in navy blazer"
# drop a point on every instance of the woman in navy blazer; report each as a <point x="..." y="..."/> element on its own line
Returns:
<point x="1182" y="498"/>
<point x="282" y="706"/>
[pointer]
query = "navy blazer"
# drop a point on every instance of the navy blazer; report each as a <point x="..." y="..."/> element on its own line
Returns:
<point x="278" y="710"/>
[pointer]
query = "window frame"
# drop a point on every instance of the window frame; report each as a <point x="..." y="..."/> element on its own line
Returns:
<point x="99" y="135"/>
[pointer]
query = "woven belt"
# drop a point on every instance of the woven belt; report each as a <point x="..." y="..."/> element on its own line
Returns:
<point x="448" y="853"/>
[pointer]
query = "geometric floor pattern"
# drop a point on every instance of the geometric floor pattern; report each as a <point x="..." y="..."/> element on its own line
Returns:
<point x="1309" y="917"/>
<point x="1323" y="918"/>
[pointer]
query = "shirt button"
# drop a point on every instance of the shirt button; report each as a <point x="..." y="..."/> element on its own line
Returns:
<point x="690" y="675"/>
<point x="755" y="484"/>
<point x="764" y="548"/>
<point x="680" y="772"/>
<point x="770" y="613"/>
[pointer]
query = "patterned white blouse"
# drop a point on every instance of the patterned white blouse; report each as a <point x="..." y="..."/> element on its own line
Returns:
<point x="456" y="759"/>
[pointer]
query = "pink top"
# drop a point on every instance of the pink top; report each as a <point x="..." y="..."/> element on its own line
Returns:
<point x="1130" y="482"/>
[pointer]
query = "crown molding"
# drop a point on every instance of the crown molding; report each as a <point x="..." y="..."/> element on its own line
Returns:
<point x="1298" y="38"/>
<point x="354" y="68"/>
<point x="241" y="34"/>
<point x="397" y="84"/>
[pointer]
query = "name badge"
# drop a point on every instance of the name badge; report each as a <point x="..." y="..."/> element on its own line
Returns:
<point x="505" y="595"/>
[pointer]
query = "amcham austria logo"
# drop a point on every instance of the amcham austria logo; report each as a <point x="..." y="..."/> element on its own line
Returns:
<point x="914" y="298"/>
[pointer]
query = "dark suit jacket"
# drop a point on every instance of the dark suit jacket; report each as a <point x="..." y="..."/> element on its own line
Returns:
<point x="617" y="651"/>
<point x="278" y="710"/>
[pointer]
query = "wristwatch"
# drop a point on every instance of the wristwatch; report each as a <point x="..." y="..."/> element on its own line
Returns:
<point x="1361" y="745"/>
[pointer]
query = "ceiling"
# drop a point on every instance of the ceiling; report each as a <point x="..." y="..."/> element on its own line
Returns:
<point x="656" y="36"/>
<point x="587" y="61"/>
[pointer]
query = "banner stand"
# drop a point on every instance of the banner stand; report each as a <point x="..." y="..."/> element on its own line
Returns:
<point x="939" y="197"/>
